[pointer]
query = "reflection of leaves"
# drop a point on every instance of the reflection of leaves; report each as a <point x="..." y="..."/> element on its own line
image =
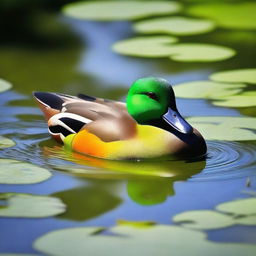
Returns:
<point x="138" y="224"/>
<point x="236" y="76"/>
<point x="161" y="46"/>
<point x="4" y="85"/>
<point x="175" y="25"/>
<point x="30" y="206"/>
<point x="87" y="202"/>
<point x="225" y="127"/>
<point x="155" y="240"/>
<point x="6" y="143"/>
<point x="235" y="15"/>
<point x="206" y="89"/>
<point x="119" y="10"/>
<point x="16" y="172"/>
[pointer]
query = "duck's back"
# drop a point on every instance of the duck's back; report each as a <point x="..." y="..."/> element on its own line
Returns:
<point x="65" y="114"/>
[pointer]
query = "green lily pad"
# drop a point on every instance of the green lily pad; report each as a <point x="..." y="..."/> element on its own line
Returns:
<point x="236" y="76"/>
<point x="181" y="26"/>
<point x="225" y="127"/>
<point x="4" y="85"/>
<point x="155" y="240"/>
<point x="235" y="15"/>
<point x="119" y="10"/>
<point x="193" y="52"/>
<point x="16" y="172"/>
<point x="31" y="206"/>
<point x="248" y="220"/>
<point x="204" y="219"/>
<point x="239" y="207"/>
<point x="206" y="89"/>
<point x="151" y="47"/>
<point x="6" y="143"/>
<point x="246" y="99"/>
<point x="161" y="46"/>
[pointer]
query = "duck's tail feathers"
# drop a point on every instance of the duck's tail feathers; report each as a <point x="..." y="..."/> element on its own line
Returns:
<point x="49" y="103"/>
<point x="63" y="124"/>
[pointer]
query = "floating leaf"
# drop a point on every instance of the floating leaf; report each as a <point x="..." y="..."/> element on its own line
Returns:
<point x="6" y="143"/>
<point x="161" y="46"/>
<point x="246" y="99"/>
<point x="239" y="207"/>
<point x="122" y="10"/>
<point x="204" y="219"/>
<point x="138" y="224"/>
<point x="248" y="220"/>
<point x="180" y="26"/>
<point x="153" y="46"/>
<point x="225" y="127"/>
<point x="236" y="76"/>
<point x="16" y="172"/>
<point x="4" y="85"/>
<point x="206" y="89"/>
<point x="155" y="240"/>
<point x="188" y="52"/>
<point x="31" y="206"/>
<point x="235" y="15"/>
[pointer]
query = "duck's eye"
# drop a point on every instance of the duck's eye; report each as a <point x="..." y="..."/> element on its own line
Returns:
<point x="152" y="95"/>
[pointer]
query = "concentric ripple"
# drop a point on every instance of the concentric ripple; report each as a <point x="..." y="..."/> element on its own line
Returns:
<point x="227" y="160"/>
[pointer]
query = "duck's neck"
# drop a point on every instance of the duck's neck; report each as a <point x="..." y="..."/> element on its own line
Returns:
<point x="160" y="123"/>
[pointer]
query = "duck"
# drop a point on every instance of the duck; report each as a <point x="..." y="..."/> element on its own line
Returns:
<point x="148" y="126"/>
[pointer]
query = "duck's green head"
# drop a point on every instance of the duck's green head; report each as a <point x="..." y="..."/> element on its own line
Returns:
<point x="151" y="99"/>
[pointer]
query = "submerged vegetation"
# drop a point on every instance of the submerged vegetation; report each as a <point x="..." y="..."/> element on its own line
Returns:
<point x="76" y="204"/>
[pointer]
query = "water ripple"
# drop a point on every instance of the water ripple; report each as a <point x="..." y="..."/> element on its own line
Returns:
<point x="227" y="160"/>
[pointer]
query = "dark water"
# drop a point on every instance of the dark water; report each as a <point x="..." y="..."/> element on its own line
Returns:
<point x="97" y="196"/>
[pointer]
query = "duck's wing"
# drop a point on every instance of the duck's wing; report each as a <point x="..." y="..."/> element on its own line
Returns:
<point x="66" y="114"/>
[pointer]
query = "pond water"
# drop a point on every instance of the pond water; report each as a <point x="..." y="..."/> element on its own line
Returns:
<point x="98" y="193"/>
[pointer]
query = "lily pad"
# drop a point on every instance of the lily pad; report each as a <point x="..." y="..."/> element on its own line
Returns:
<point x="152" y="47"/>
<point x="155" y="240"/>
<point x="31" y="206"/>
<point x="162" y="46"/>
<point x="206" y="89"/>
<point x="193" y="52"/>
<point x="225" y="127"/>
<point x="246" y="99"/>
<point x="119" y="10"/>
<point x="204" y="219"/>
<point x="236" y="76"/>
<point x="16" y="172"/>
<point x="6" y="143"/>
<point x="180" y="26"/>
<point x="4" y="85"/>
<point x="248" y="220"/>
<point x="235" y="15"/>
<point x="239" y="207"/>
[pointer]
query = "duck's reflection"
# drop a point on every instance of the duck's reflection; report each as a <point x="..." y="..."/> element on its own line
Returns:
<point x="148" y="182"/>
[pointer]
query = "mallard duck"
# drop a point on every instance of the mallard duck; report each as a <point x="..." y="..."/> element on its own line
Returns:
<point x="148" y="126"/>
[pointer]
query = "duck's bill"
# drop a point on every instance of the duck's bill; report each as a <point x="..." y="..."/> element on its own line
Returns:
<point x="174" y="118"/>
